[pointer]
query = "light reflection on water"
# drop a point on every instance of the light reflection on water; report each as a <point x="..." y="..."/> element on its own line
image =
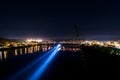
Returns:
<point x="25" y="50"/>
<point x="5" y="54"/>
<point x="0" y="55"/>
<point x="16" y="53"/>
<point x="30" y="50"/>
<point x="21" y="51"/>
<point x="72" y="49"/>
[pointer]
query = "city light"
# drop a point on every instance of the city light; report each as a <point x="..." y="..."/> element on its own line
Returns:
<point x="29" y="40"/>
<point x="38" y="40"/>
<point x="34" y="40"/>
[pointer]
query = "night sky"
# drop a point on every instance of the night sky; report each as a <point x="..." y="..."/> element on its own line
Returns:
<point x="48" y="19"/>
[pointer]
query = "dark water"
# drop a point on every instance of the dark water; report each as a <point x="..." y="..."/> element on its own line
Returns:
<point x="12" y="61"/>
<point x="71" y="63"/>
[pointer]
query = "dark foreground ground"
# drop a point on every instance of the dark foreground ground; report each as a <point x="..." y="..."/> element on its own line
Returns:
<point x="66" y="65"/>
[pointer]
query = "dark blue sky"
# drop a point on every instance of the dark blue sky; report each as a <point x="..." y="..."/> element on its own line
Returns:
<point x="56" y="19"/>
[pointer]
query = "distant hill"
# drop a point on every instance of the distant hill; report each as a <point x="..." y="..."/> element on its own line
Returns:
<point x="2" y="40"/>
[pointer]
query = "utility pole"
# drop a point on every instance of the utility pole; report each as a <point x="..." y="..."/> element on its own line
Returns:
<point x="76" y="29"/>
